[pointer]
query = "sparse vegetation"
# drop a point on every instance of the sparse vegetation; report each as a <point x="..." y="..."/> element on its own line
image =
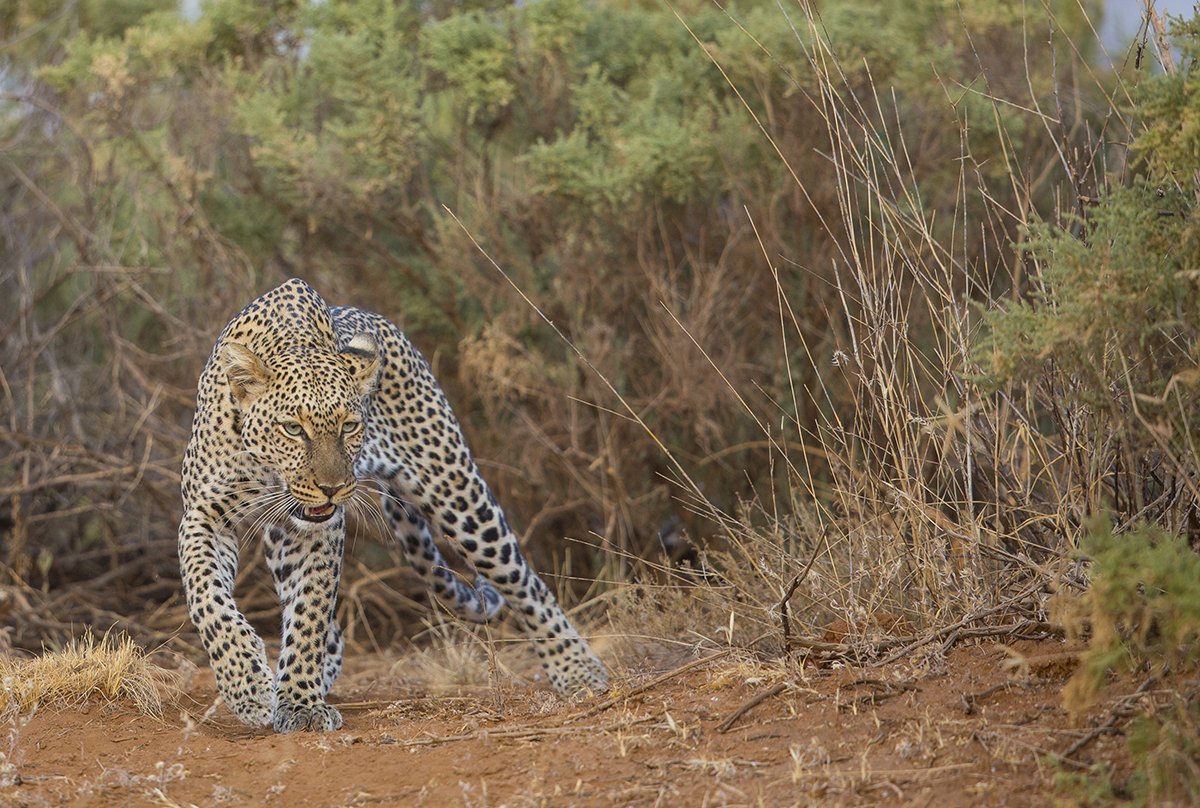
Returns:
<point x="606" y="163"/>
<point x="874" y="326"/>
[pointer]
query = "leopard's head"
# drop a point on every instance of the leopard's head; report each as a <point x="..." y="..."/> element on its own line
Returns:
<point x="303" y="417"/>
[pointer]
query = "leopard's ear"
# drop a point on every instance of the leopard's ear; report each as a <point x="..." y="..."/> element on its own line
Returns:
<point x="248" y="375"/>
<point x="363" y="355"/>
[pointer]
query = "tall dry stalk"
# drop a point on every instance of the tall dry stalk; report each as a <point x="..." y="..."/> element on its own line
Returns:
<point x="921" y="501"/>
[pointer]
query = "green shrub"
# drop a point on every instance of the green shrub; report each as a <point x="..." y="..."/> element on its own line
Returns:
<point x="1103" y="332"/>
<point x="737" y="208"/>
<point x="1142" y="609"/>
<point x="1142" y="614"/>
<point x="1102" y="340"/>
<point x="1114" y="309"/>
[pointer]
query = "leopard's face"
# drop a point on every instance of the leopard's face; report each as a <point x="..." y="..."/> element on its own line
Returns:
<point x="303" y="419"/>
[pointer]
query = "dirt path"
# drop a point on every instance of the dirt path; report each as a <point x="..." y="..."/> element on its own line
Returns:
<point x="840" y="737"/>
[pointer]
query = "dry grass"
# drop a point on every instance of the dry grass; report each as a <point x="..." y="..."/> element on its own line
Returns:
<point x="449" y="655"/>
<point x="850" y="490"/>
<point x="913" y="501"/>
<point x="920" y="507"/>
<point x="914" y="507"/>
<point x="110" y="670"/>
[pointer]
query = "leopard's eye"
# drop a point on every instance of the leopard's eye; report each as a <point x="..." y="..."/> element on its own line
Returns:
<point x="292" y="428"/>
<point x="350" y="427"/>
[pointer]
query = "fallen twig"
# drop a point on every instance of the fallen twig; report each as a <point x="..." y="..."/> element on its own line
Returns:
<point x="655" y="682"/>
<point x="732" y="718"/>
<point x="961" y="626"/>
<point x="969" y="700"/>
<point x="1118" y="711"/>
<point x="949" y="635"/>
<point x="886" y="691"/>
<point x="525" y="733"/>
<point x="840" y="649"/>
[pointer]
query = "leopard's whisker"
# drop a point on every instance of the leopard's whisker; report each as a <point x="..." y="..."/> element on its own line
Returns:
<point x="367" y="505"/>
<point x="363" y="514"/>
<point x="274" y="506"/>
<point x="247" y="506"/>
<point x="387" y="494"/>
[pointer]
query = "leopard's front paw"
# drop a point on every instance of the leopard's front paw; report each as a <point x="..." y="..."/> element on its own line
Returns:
<point x="316" y="718"/>
<point x="253" y="702"/>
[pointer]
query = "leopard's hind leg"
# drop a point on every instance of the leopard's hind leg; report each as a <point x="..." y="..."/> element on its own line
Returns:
<point x="477" y="602"/>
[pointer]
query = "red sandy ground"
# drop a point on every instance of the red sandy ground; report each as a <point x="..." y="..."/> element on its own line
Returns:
<point x="834" y="737"/>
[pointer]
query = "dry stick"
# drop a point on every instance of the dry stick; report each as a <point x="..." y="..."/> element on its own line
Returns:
<point x="952" y="633"/>
<point x="1020" y="630"/>
<point x="821" y="646"/>
<point x="376" y="704"/>
<point x="956" y="632"/>
<point x="655" y="682"/>
<point x="877" y="698"/>
<point x="1116" y="713"/>
<point x="947" y="630"/>
<point x="785" y="623"/>
<point x="523" y="733"/>
<point x="969" y="700"/>
<point x="751" y="704"/>
<point x="1160" y="38"/>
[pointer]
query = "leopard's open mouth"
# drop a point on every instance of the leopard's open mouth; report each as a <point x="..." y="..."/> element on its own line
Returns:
<point x="318" y="513"/>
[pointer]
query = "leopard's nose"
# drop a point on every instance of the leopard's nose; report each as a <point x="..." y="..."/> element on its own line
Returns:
<point x="333" y="490"/>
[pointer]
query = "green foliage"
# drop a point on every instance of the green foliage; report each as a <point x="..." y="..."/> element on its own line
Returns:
<point x="1142" y="611"/>
<point x="336" y="130"/>
<point x="473" y="55"/>
<point x="613" y="157"/>
<point x="1116" y="308"/>
<point x="1165" y="747"/>
<point x="1114" y="300"/>
<point x="349" y="109"/>
<point x="1143" y="607"/>
<point x="36" y="21"/>
<point x="1087" y="789"/>
<point x="1105" y="331"/>
<point x="1170" y="106"/>
<point x="1106" y="336"/>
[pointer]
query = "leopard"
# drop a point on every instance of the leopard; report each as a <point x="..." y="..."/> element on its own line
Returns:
<point x="303" y="410"/>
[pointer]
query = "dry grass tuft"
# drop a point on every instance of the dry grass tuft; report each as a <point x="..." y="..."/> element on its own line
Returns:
<point x="109" y="669"/>
<point x="450" y="655"/>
